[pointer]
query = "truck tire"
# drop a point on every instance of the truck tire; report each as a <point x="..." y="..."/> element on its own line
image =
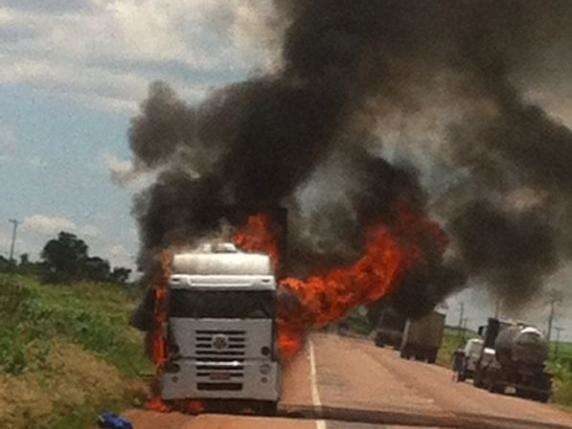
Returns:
<point x="432" y="358"/>
<point x="266" y="408"/>
<point x="478" y="380"/>
<point x="404" y="354"/>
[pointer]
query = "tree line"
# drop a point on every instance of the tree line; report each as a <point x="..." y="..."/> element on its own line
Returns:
<point x="66" y="259"/>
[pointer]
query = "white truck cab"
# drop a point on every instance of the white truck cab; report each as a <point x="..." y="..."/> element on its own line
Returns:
<point x="222" y="327"/>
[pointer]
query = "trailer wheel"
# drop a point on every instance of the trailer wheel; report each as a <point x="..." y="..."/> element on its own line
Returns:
<point x="540" y="397"/>
<point x="478" y="380"/>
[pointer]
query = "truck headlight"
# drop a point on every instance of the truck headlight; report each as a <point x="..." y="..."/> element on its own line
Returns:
<point x="265" y="369"/>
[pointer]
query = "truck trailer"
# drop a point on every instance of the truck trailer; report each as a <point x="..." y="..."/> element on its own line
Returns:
<point x="390" y="327"/>
<point x="222" y="328"/>
<point x="513" y="356"/>
<point x="422" y="337"/>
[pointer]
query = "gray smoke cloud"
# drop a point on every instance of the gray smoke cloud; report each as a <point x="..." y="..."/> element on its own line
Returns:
<point x="378" y="102"/>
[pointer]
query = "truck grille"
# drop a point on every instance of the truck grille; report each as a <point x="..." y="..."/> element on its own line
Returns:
<point x="220" y="343"/>
<point x="220" y="359"/>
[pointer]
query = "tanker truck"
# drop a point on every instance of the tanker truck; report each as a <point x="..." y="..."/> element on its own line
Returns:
<point x="221" y="330"/>
<point x="513" y="356"/>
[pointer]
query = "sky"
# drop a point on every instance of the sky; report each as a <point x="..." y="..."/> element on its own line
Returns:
<point x="72" y="75"/>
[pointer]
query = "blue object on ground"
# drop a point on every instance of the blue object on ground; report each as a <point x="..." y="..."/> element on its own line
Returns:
<point x="113" y="421"/>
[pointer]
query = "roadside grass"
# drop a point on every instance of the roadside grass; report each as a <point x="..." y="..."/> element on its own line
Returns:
<point x="451" y="342"/>
<point x="66" y="353"/>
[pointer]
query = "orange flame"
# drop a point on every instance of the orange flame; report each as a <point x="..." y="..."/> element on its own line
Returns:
<point x="390" y="252"/>
<point x="260" y="234"/>
<point x="160" y="283"/>
<point x="329" y="297"/>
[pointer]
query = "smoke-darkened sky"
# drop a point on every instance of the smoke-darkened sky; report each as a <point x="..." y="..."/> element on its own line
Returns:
<point x="442" y="101"/>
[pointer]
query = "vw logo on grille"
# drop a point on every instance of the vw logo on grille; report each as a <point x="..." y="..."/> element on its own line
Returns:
<point x="220" y="342"/>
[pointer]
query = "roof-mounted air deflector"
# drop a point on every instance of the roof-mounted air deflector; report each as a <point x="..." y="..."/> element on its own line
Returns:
<point x="244" y="282"/>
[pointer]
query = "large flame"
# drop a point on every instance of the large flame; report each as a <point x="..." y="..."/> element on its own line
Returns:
<point x="160" y="350"/>
<point x="327" y="298"/>
<point x="391" y="250"/>
<point x="260" y="234"/>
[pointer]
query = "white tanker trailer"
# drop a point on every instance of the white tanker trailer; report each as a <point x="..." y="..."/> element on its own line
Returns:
<point x="514" y="356"/>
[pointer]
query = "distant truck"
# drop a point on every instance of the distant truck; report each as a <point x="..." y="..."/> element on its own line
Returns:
<point x="390" y="327"/>
<point x="222" y="328"/>
<point x="513" y="356"/>
<point x="422" y="337"/>
<point x="469" y="357"/>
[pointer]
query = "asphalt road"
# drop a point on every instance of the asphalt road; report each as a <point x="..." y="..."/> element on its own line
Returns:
<point x="346" y="383"/>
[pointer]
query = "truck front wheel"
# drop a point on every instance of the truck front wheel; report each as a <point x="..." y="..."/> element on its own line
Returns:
<point x="266" y="408"/>
<point x="478" y="380"/>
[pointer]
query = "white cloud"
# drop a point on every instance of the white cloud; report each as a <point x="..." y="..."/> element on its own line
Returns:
<point x="120" y="256"/>
<point x="51" y="225"/>
<point x="89" y="231"/>
<point x="46" y="225"/>
<point x="106" y="54"/>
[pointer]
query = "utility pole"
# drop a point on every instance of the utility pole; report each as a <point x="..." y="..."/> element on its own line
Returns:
<point x="461" y="316"/>
<point x="13" y="245"/>
<point x="558" y="330"/>
<point x="498" y="306"/>
<point x="552" y="302"/>
<point x="465" y="320"/>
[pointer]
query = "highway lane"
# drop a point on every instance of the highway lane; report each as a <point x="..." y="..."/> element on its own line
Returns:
<point x="346" y="383"/>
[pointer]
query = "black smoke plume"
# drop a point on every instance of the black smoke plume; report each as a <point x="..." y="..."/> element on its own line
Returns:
<point x="347" y="67"/>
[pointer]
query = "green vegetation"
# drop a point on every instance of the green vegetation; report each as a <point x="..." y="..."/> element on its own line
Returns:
<point x="452" y="340"/>
<point x="66" y="259"/>
<point x="66" y="352"/>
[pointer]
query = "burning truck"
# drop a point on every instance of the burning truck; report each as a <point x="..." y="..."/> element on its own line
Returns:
<point x="221" y="322"/>
<point x="221" y="328"/>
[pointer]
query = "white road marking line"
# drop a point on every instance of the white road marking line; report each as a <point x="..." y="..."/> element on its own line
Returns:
<point x="320" y="424"/>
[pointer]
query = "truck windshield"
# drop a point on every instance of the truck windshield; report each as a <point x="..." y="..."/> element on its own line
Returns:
<point x="222" y="304"/>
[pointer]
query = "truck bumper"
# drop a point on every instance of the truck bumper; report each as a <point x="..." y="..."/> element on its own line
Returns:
<point x="192" y="379"/>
